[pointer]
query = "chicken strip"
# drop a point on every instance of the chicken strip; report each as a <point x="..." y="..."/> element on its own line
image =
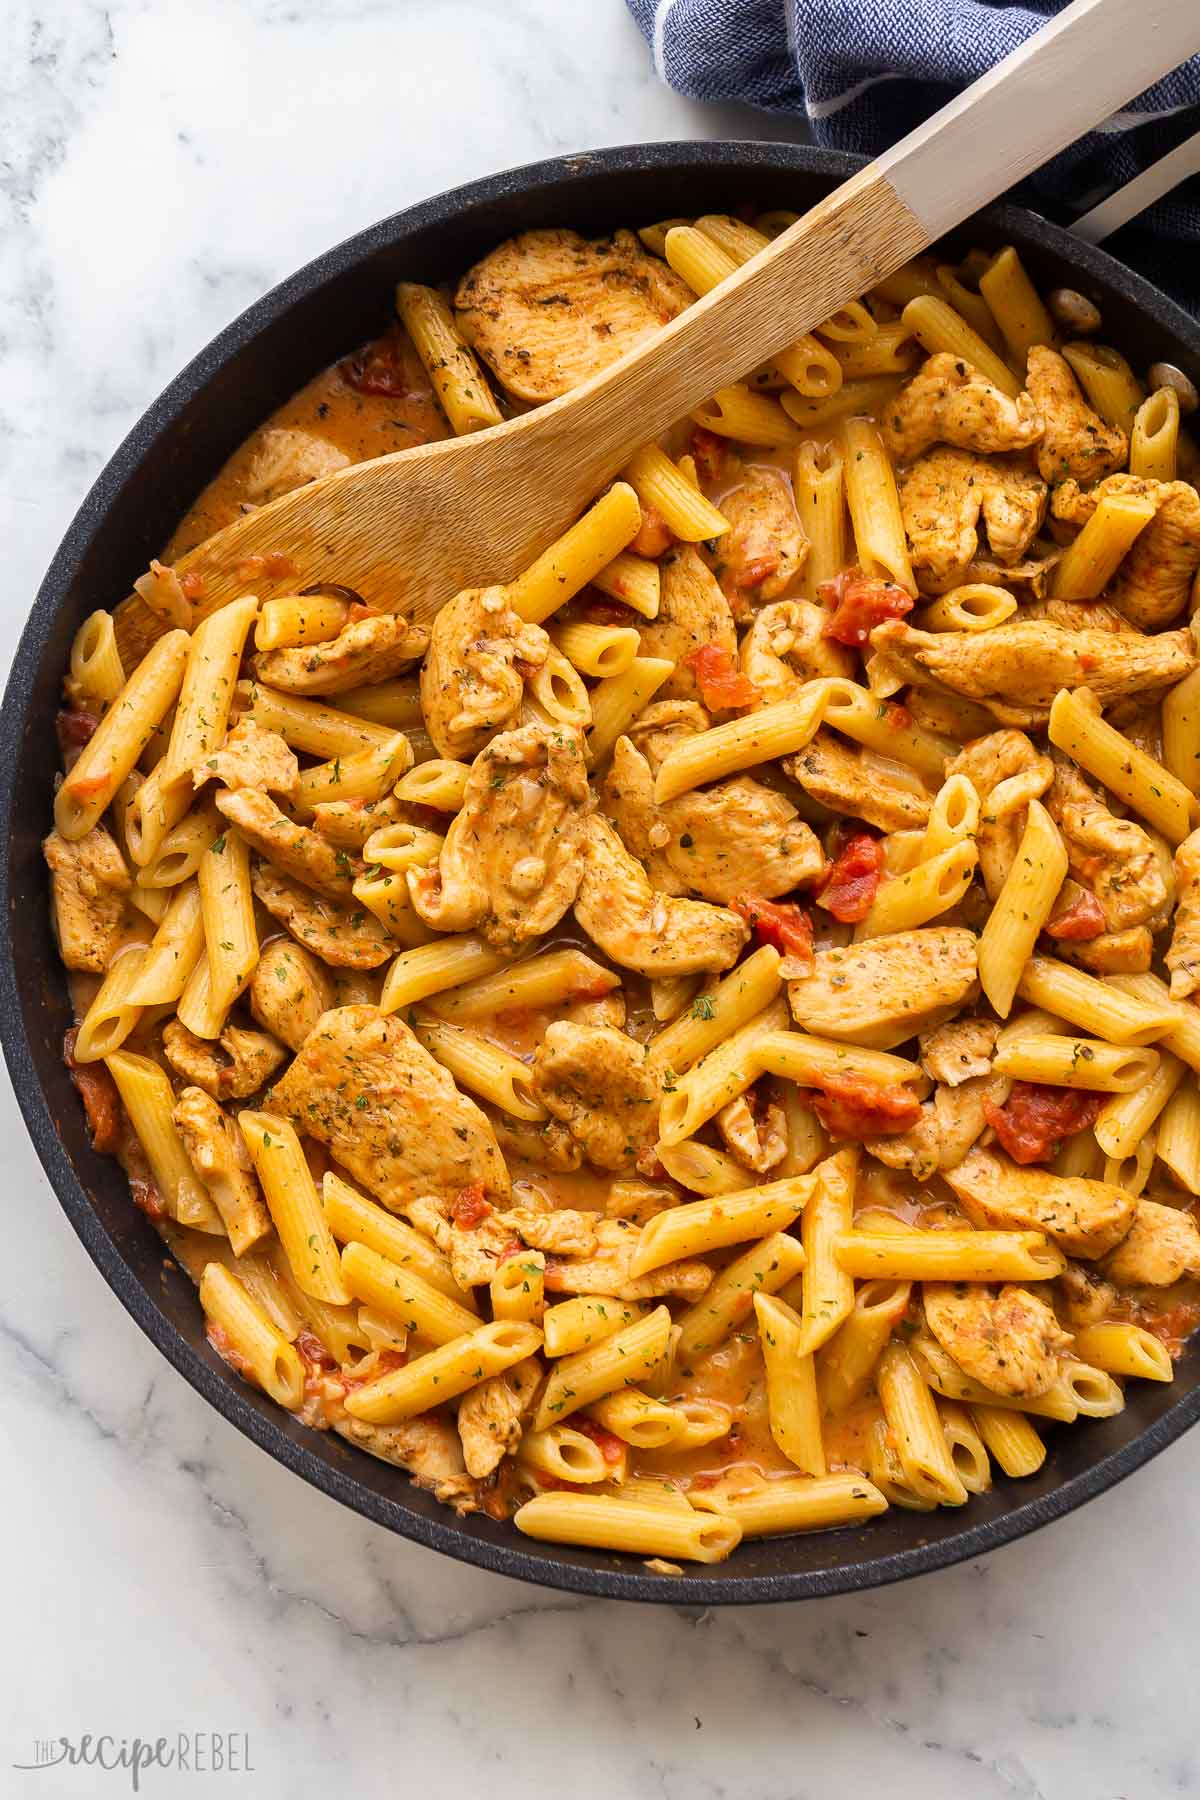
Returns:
<point x="948" y="401"/>
<point x="88" y="885"/>
<point x="1077" y="443"/>
<point x="286" y="458"/>
<point x="665" y="725"/>
<point x="756" y="1138"/>
<point x="549" y="308"/>
<point x="1007" y="773"/>
<point x="1161" y="1247"/>
<point x="1086" y="1218"/>
<point x="362" y="1085"/>
<point x="607" y="1271"/>
<point x="943" y="496"/>
<point x="237" y="1065"/>
<point x="1074" y="615"/>
<point x="712" y="842"/>
<point x="217" y="1152"/>
<point x="885" y="990"/>
<point x="1183" y="956"/>
<point x="786" y="646"/>
<point x="1016" y="670"/>
<point x="548" y="1145"/>
<point x="368" y="649"/>
<point x="289" y="991"/>
<point x="692" y="612"/>
<point x="1153" y="583"/>
<point x="765" y="547"/>
<point x="1008" y="1341"/>
<point x="653" y="934"/>
<point x="251" y="758"/>
<point x="473" y="680"/>
<point x="959" y="1051"/>
<point x="1116" y="859"/>
<point x="512" y="860"/>
<point x="295" y="850"/>
<point x="847" y="780"/>
<point x="346" y="937"/>
<point x="427" y="1447"/>
<point x="490" y="1416"/>
<point x="597" y="1082"/>
<point x="949" y="1125"/>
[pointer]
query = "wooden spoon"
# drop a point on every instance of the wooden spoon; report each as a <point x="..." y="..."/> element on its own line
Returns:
<point x="409" y="530"/>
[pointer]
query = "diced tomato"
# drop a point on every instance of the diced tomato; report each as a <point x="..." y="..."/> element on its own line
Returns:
<point x="1083" y="919"/>
<point x="849" y="885"/>
<point x="87" y="787"/>
<point x="274" y="563"/>
<point x="1036" y="1118"/>
<point x="98" y="1091"/>
<point x="194" y="586"/>
<point x="781" y="923"/>
<point x="752" y="573"/>
<point x="1172" y="1326"/>
<point x="384" y="1363"/>
<point x="722" y="684"/>
<point x="858" y="603"/>
<point x="610" y="612"/>
<point x="513" y="1248"/>
<point x="654" y="535"/>
<point x="145" y="1194"/>
<point x="223" y="1345"/>
<point x="598" y="988"/>
<point x="709" y="452"/>
<point x="312" y="1351"/>
<point x="609" y="1444"/>
<point x="383" y="366"/>
<point x="470" y="1208"/>
<point x="897" y="717"/>
<point x="74" y="728"/>
<point x="857" y="1109"/>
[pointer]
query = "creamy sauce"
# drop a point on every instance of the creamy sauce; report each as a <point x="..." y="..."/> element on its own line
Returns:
<point x="329" y="407"/>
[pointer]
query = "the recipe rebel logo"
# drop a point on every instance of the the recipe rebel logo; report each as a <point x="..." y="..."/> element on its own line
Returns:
<point x="188" y="1753"/>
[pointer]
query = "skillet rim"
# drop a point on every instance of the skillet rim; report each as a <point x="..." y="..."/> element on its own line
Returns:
<point x="496" y="1553"/>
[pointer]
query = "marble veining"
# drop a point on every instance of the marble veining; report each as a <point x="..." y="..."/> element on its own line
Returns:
<point x="161" y="164"/>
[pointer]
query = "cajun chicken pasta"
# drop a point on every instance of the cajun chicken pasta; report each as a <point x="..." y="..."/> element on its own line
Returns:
<point x="701" y="1041"/>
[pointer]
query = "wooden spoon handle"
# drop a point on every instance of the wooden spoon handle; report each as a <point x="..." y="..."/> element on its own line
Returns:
<point x="1066" y="78"/>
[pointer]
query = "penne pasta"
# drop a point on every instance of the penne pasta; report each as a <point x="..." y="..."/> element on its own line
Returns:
<point x="241" y="1330"/>
<point x="617" y="702"/>
<point x="453" y="368"/>
<point x="625" y="1357"/>
<point x="495" y="1074"/>
<point x="949" y="1255"/>
<point x="295" y="1208"/>
<point x="121" y="736"/>
<point x="727" y="749"/>
<point x="602" y="1523"/>
<point x="1160" y="797"/>
<point x="1022" y="908"/>
<point x="147" y="1098"/>
<point x="874" y="504"/>
<point x="443" y="1374"/>
<point x="697" y="1227"/>
<point x="1076" y="1063"/>
<point x="792" y="1408"/>
<point x="763" y="1269"/>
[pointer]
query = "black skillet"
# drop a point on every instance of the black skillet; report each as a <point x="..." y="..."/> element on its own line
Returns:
<point x="319" y="314"/>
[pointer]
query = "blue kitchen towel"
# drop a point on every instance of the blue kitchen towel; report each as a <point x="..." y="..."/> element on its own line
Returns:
<point x="864" y="72"/>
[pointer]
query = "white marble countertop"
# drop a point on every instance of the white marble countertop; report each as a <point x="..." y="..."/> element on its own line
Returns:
<point x="165" y="161"/>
